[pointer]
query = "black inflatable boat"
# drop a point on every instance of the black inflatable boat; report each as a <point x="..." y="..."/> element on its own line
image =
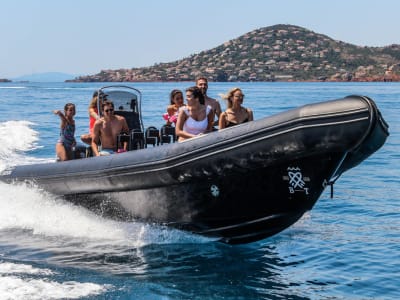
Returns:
<point x="240" y="184"/>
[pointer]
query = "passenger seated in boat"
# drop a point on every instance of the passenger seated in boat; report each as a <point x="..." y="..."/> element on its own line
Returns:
<point x="67" y="133"/>
<point x="106" y="130"/>
<point x="93" y="116"/>
<point x="235" y="113"/>
<point x="176" y="102"/>
<point x="195" y="118"/>
<point x="202" y="84"/>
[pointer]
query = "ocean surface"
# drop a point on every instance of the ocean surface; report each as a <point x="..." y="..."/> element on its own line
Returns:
<point x="347" y="247"/>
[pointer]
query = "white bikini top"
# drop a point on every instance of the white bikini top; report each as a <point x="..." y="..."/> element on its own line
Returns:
<point x="196" y="127"/>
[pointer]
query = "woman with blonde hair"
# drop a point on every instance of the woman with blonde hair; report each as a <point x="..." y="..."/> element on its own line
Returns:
<point x="235" y="113"/>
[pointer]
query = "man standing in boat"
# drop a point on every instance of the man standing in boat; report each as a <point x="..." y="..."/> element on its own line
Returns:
<point x="106" y="131"/>
<point x="202" y="84"/>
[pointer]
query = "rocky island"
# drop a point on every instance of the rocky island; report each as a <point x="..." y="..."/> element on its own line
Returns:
<point x="275" y="53"/>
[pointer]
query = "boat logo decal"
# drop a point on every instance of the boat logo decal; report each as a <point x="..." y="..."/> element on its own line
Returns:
<point x="297" y="182"/>
<point x="214" y="190"/>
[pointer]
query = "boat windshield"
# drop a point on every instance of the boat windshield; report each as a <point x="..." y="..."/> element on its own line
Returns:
<point x="127" y="103"/>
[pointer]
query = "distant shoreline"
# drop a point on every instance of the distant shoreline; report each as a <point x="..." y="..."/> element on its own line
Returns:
<point x="160" y="81"/>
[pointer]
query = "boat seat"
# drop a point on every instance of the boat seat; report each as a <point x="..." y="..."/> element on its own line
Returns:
<point x="79" y="151"/>
<point x="131" y="117"/>
<point x="129" y="111"/>
<point x="88" y="151"/>
<point x="167" y="134"/>
<point x="123" y="138"/>
<point x="152" y="136"/>
<point x="136" y="140"/>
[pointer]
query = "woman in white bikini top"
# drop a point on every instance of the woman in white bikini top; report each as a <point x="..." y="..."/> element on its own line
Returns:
<point x="195" y="118"/>
<point x="195" y="127"/>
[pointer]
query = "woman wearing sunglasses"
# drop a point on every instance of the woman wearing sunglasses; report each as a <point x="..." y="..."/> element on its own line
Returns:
<point x="235" y="113"/>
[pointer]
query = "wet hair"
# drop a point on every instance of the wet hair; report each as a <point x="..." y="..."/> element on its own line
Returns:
<point x="107" y="103"/>
<point x="196" y="93"/>
<point x="173" y="94"/>
<point x="68" y="105"/>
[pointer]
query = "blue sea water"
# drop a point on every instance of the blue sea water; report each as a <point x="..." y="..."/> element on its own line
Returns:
<point x="347" y="247"/>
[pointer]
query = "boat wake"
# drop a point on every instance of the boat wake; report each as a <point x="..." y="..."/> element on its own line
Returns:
<point x="26" y="207"/>
<point x="38" y="228"/>
<point x="16" y="139"/>
<point x="32" y="283"/>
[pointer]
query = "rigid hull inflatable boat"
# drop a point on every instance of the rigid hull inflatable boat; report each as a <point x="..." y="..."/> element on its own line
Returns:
<point x="238" y="185"/>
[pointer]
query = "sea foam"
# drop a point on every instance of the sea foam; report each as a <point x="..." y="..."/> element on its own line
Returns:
<point x="17" y="138"/>
<point x="22" y="281"/>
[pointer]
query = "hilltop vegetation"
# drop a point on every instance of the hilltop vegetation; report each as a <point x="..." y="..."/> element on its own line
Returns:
<point x="280" y="52"/>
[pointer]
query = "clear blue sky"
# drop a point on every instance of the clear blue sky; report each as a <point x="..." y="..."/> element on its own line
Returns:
<point x="86" y="36"/>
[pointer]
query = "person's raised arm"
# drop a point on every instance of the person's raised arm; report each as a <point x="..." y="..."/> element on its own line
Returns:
<point x="61" y="115"/>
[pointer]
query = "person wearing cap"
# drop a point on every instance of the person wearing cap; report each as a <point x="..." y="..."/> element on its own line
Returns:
<point x="93" y="116"/>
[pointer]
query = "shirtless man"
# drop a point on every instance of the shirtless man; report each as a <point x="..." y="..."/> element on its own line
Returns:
<point x="202" y="84"/>
<point x="106" y="130"/>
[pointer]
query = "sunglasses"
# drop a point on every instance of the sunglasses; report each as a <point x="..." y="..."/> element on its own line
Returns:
<point x="109" y="110"/>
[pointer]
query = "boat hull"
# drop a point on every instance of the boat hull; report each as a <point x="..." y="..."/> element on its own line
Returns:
<point x="235" y="207"/>
<point x="238" y="185"/>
